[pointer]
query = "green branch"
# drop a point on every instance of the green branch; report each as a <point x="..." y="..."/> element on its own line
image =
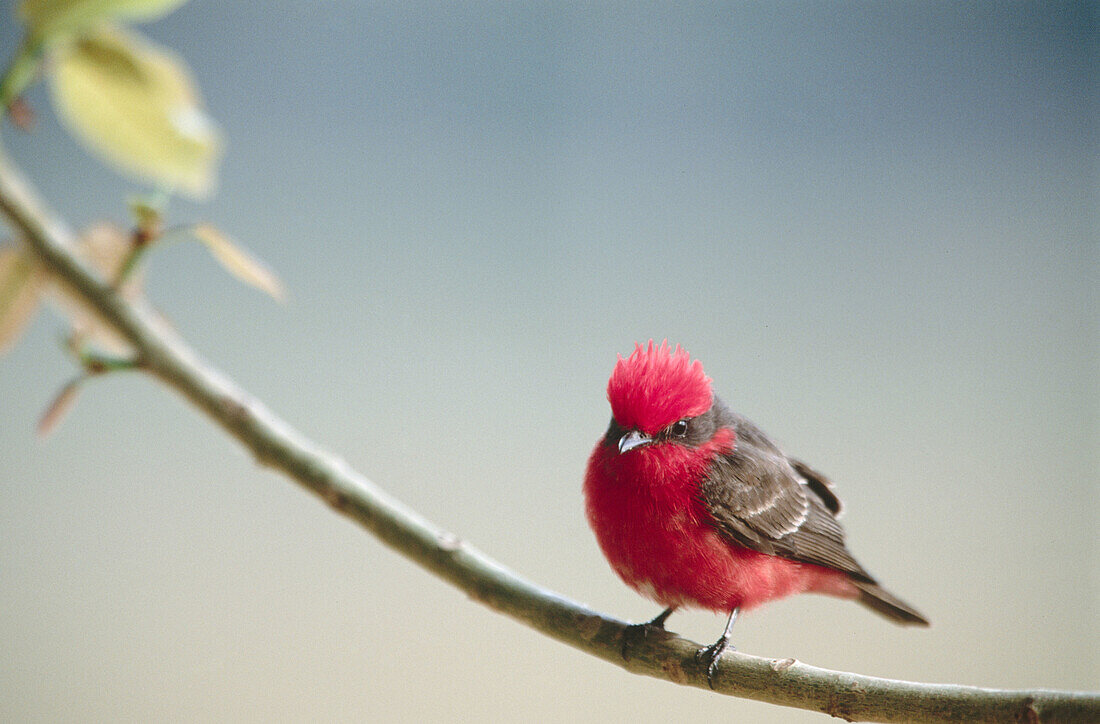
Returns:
<point x="277" y="445"/>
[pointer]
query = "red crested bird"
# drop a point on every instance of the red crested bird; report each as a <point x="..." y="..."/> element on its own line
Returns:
<point x="695" y="507"/>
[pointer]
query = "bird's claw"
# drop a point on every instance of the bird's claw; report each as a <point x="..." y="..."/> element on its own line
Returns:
<point x="709" y="655"/>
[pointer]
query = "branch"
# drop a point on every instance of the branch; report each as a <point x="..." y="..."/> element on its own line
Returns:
<point x="277" y="445"/>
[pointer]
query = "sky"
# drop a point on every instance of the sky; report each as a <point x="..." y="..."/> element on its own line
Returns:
<point x="874" y="223"/>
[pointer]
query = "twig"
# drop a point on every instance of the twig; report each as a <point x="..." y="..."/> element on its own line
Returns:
<point x="275" y="444"/>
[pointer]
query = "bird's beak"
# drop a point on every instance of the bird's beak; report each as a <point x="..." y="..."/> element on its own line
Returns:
<point x="632" y="440"/>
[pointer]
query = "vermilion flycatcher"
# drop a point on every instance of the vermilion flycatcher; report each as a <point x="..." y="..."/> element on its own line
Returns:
<point x="694" y="506"/>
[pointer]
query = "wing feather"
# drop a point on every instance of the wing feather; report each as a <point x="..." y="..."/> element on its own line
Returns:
<point x="766" y="502"/>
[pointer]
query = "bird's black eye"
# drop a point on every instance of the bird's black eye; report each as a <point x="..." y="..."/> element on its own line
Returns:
<point x="679" y="429"/>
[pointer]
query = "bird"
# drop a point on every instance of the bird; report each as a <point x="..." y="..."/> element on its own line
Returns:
<point x="694" y="506"/>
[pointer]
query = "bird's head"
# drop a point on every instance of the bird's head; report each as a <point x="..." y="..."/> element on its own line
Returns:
<point x="657" y="395"/>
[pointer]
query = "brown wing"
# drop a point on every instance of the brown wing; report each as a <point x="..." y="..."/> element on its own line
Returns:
<point x="760" y="500"/>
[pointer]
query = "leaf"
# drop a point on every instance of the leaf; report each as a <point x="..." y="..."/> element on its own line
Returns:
<point x="21" y="284"/>
<point x="135" y="104"/>
<point x="238" y="262"/>
<point x="60" y="406"/>
<point x="47" y="17"/>
<point x="20" y="74"/>
<point x="106" y="245"/>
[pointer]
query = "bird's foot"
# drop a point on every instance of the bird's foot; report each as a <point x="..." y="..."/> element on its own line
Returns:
<point x="640" y="632"/>
<point x="708" y="656"/>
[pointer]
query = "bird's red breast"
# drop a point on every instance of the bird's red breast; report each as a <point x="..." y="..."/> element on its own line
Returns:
<point x="645" y="510"/>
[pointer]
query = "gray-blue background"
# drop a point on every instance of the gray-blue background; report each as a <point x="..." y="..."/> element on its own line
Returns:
<point x="874" y="223"/>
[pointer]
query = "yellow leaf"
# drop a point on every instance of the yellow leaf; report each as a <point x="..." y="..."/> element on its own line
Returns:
<point x="237" y="262"/>
<point x="21" y="72"/>
<point x="135" y="104"/>
<point x="20" y="285"/>
<point x="45" y="17"/>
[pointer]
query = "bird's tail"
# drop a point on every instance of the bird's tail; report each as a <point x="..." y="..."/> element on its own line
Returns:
<point x="881" y="601"/>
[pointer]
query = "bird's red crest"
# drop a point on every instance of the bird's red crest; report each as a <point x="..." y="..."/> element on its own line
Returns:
<point x="656" y="386"/>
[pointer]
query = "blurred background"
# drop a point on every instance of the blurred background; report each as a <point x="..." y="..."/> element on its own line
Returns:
<point x="874" y="223"/>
